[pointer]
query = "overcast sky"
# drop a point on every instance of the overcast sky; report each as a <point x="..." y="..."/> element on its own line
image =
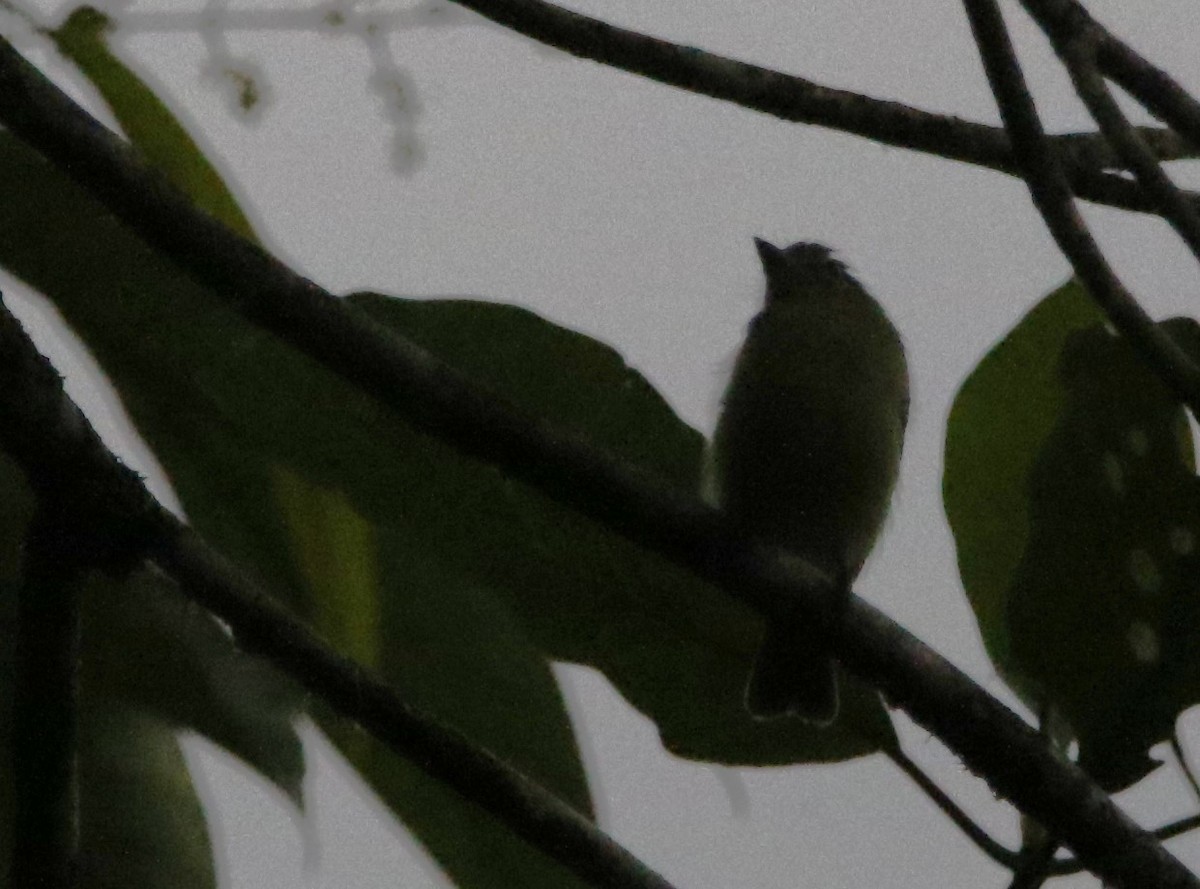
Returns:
<point x="626" y="209"/>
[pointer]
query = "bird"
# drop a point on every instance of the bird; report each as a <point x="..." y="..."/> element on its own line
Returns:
<point x="806" y="451"/>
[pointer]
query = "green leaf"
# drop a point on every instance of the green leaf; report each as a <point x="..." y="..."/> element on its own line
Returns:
<point x="141" y="823"/>
<point x="1070" y="486"/>
<point x="458" y="652"/>
<point x="1000" y="418"/>
<point x="1104" y="613"/>
<point x="147" y="122"/>
<point x="148" y="647"/>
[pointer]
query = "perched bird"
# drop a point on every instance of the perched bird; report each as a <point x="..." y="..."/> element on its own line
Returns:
<point x="807" y="449"/>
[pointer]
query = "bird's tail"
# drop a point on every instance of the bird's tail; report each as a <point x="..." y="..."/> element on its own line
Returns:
<point x="792" y="676"/>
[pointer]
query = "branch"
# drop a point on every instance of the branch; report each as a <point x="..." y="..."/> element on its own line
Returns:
<point x="990" y="738"/>
<point x="1051" y="194"/>
<point x="1150" y="85"/>
<point x="802" y="101"/>
<point x="991" y="848"/>
<point x="1034" y="862"/>
<point x="1078" y="53"/>
<point x="1168" y="831"/>
<point x="49" y="438"/>
<point x="1086" y="157"/>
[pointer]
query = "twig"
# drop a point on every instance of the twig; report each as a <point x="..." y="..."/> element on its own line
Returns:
<point x="990" y="738"/>
<point x="1150" y="85"/>
<point x="1078" y="54"/>
<point x="1051" y="194"/>
<point x="1033" y="866"/>
<point x="976" y="834"/>
<point x="48" y="436"/>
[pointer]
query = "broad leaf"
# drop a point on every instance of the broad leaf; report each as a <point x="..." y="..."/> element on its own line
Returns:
<point x="1002" y="415"/>
<point x="141" y="821"/>
<point x="1104" y="612"/>
<point x="1070" y="487"/>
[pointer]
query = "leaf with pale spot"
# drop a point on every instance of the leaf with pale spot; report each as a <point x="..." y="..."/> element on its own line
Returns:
<point x="1103" y="613"/>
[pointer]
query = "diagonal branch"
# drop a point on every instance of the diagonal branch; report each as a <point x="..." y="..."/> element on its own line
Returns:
<point x="991" y="740"/>
<point x="1154" y="88"/>
<point x="1078" y="53"/>
<point x="1051" y="193"/>
<point x="990" y="847"/>
<point x="1062" y="867"/>
<point x="47" y="435"/>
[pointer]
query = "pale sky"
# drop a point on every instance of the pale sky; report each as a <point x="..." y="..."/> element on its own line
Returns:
<point x="626" y="209"/>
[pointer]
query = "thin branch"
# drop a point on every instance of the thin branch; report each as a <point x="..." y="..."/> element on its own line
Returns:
<point x="993" y="849"/>
<point x="1078" y="54"/>
<point x="1174" y="829"/>
<point x="991" y="740"/>
<point x="1033" y="867"/>
<point x="1065" y="866"/>
<point x="1086" y="157"/>
<point x="1051" y="194"/>
<point x="1161" y="95"/>
<point x="263" y="626"/>
<point x="52" y="441"/>
<point x="45" y="755"/>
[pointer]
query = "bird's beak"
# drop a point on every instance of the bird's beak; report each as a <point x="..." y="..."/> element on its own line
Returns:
<point x="771" y="256"/>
